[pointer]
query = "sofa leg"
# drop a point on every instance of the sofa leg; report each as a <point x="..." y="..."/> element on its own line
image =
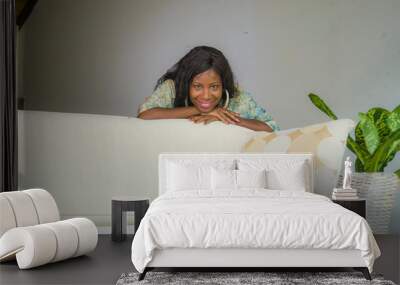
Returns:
<point x="364" y="271"/>
<point x="143" y="274"/>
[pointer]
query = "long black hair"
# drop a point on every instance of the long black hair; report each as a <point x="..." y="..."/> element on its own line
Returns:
<point x="196" y="61"/>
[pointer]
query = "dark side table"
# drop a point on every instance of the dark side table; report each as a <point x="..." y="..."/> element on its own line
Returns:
<point x="358" y="206"/>
<point x="122" y="204"/>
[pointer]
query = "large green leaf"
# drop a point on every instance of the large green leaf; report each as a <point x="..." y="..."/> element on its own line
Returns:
<point x="359" y="166"/>
<point x="394" y="148"/>
<point x="376" y="113"/>
<point x="361" y="152"/>
<point x="379" y="116"/>
<point x="373" y="145"/>
<point x="359" y="137"/>
<point x="320" y="104"/>
<point x="385" y="150"/>
<point x="393" y="121"/>
<point x="397" y="109"/>
<point x="370" y="133"/>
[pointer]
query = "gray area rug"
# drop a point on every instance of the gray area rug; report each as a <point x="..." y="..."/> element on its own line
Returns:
<point x="231" y="278"/>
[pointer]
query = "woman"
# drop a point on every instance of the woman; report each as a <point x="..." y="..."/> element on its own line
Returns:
<point x="200" y="87"/>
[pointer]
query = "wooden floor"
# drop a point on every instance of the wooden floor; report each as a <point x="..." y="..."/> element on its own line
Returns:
<point x="111" y="259"/>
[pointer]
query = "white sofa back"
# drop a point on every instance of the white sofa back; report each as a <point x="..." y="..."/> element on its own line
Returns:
<point x="84" y="160"/>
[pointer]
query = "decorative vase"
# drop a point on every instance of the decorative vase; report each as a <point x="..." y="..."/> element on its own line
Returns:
<point x="379" y="190"/>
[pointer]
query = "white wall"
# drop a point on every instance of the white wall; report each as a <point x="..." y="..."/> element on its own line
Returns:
<point x="104" y="57"/>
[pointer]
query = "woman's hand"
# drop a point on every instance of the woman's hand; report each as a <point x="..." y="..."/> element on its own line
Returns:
<point x="228" y="117"/>
<point x="224" y="115"/>
<point x="218" y="114"/>
<point x="197" y="119"/>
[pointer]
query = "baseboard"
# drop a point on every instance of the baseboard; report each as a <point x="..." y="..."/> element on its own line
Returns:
<point x="104" y="230"/>
<point x="107" y="230"/>
<point x="103" y="222"/>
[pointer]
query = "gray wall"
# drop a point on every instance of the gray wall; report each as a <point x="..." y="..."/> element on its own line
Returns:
<point x="103" y="57"/>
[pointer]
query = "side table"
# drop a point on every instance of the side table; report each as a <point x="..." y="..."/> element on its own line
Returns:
<point x="120" y="205"/>
<point x="358" y="206"/>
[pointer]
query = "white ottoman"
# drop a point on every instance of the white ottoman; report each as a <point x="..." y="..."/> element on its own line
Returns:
<point x="31" y="232"/>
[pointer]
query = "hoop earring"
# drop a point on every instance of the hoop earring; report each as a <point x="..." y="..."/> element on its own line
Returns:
<point x="186" y="102"/>
<point x="227" y="99"/>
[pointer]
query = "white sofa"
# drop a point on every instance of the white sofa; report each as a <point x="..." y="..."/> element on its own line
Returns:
<point x="32" y="233"/>
<point x="85" y="160"/>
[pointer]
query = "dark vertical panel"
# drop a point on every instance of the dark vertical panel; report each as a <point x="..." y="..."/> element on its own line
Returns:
<point x="8" y="102"/>
<point x="25" y="12"/>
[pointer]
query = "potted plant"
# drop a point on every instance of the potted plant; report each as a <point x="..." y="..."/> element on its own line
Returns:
<point x="376" y="142"/>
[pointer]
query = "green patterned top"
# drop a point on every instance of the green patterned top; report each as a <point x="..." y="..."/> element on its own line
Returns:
<point x="242" y="103"/>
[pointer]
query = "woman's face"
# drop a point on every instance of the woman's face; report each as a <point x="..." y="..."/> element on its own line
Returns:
<point x="206" y="90"/>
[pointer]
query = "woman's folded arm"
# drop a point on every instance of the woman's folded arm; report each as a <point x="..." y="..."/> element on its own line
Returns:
<point x="169" y="113"/>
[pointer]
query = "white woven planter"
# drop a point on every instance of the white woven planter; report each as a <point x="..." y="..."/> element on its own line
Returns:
<point x="379" y="189"/>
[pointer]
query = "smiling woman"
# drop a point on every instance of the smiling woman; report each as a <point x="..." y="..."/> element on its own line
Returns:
<point x="200" y="87"/>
